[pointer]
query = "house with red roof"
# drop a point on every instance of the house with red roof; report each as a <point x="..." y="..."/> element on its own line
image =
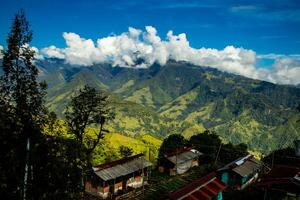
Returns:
<point x="206" y="188"/>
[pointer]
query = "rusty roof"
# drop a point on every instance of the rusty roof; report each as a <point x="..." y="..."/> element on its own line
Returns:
<point x="116" y="162"/>
<point x="205" y="188"/>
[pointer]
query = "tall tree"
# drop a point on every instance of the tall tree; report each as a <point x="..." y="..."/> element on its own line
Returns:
<point x="21" y="101"/>
<point x="19" y="81"/>
<point x="89" y="108"/>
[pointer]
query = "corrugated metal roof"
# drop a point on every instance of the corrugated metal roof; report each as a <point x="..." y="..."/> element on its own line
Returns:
<point x="184" y="156"/>
<point x="116" y="162"/>
<point x="244" y="165"/>
<point x="248" y="167"/>
<point x="122" y="169"/>
<point x="201" y="189"/>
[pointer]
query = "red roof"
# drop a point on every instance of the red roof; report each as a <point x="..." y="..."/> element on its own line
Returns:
<point x="204" y="188"/>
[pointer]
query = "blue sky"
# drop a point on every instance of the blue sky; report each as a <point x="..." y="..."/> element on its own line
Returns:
<point x="264" y="26"/>
<point x="271" y="29"/>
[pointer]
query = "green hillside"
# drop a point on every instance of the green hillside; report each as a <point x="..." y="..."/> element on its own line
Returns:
<point x="146" y="144"/>
<point x="186" y="99"/>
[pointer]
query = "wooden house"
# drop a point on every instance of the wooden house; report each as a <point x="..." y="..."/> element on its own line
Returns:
<point x="206" y="188"/>
<point x="179" y="161"/>
<point x="241" y="172"/>
<point x="117" y="177"/>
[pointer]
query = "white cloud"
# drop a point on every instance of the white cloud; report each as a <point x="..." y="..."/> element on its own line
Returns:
<point x="243" y="8"/>
<point x="1" y="49"/>
<point x="285" y="71"/>
<point x="141" y="49"/>
<point x="274" y="56"/>
<point x="53" y="52"/>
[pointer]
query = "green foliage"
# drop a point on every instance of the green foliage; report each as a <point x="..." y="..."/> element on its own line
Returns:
<point x="211" y="145"/>
<point x="88" y="108"/>
<point x="171" y="143"/>
<point x="125" y="151"/>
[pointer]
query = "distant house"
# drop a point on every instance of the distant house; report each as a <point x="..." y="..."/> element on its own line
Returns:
<point x="206" y="188"/>
<point x="109" y="179"/>
<point x="241" y="172"/>
<point x="179" y="161"/>
<point x="284" y="179"/>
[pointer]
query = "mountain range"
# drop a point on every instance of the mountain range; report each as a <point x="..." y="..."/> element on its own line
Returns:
<point x="183" y="98"/>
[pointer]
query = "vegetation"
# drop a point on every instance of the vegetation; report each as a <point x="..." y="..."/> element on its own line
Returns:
<point x="215" y="150"/>
<point x="125" y="151"/>
<point x="171" y="143"/>
<point x="207" y="143"/>
<point x="45" y="157"/>
<point x="88" y="108"/>
<point x="33" y="165"/>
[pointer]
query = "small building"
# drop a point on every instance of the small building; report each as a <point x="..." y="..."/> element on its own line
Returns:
<point x="241" y="172"/>
<point x="207" y="188"/>
<point x="179" y="161"/>
<point x="117" y="177"/>
<point x="283" y="179"/>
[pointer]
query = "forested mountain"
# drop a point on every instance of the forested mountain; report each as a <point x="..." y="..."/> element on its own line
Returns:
<point x="184" y="98"/>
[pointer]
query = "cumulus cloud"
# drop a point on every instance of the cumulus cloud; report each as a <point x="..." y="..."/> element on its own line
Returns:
<point x="53" y="52"/>
<point x="141" y="49"/>
<point x="285" y="71"/>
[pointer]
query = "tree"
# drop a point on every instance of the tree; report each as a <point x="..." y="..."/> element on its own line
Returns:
<point x="19" y="81"/>
<point x="88" y="109"/>
<point x="207" y="142"/>
<point x="33" y="165"/>
<point x="211" y="145"/>
<point x="21" y="102"/>
<point x="171" y="143"/>
<point x="125" y="151"/>
<point x="230" y="152"/>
